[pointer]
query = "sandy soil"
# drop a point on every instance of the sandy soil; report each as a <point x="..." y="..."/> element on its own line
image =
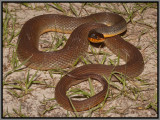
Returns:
<point x="140" y="101"/>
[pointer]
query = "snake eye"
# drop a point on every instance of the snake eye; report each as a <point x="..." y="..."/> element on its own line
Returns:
<point x="95" y="35"/>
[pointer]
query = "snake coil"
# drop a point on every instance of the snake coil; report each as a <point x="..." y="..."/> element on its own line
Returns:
<point x="107" y="24"/>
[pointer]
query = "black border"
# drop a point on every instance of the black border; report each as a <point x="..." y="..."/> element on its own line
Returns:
<point x="88" y="1"/>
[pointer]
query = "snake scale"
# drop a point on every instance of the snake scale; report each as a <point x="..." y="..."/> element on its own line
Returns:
<point x="104" y="24"/>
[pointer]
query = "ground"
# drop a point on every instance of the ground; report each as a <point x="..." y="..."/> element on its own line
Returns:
<point x="30" y="93"/>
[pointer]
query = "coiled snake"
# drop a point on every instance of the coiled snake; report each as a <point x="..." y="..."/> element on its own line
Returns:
<point x="99" y="26"/>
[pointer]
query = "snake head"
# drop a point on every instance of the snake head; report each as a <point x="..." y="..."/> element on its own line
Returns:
<point x="95" y="37"/>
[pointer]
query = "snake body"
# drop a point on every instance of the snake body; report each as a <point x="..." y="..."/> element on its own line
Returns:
<point x="77" y="45"/>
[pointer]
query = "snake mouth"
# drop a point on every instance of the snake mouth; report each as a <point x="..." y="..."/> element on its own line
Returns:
<point x="95" y="37"/>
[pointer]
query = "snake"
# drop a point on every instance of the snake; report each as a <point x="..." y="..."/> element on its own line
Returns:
<point x="103" y="27"/>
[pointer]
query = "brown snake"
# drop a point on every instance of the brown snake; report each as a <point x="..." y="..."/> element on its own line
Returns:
<point x="77" y="45"/>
